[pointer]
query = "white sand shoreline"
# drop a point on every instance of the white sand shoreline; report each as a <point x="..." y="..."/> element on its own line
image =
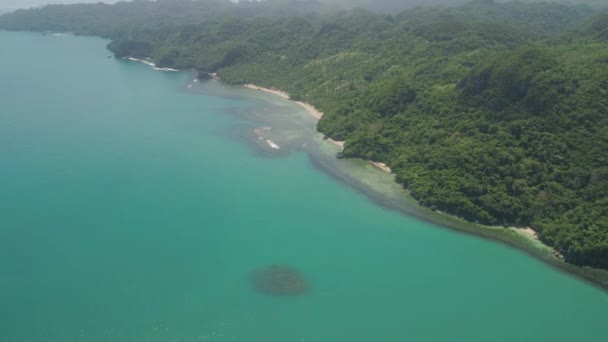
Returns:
<point x="149" y="62"/>
<point x="381" y="166"/>
<point x="340" y="144"/>
<point x="312" y="111"/>
<point x="532" y="235"/>
<point x="528" y="232"/>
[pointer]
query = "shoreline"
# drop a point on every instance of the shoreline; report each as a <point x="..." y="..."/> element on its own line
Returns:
<point x="532" y="243"/>
<point x="150" y="63"/>
<point x="315" y="113"/>
<point x="522" y="238"/>
<point x="312" y="111"/>
<point x="525" y="232"/>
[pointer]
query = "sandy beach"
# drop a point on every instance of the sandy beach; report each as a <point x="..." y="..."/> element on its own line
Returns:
<point x="532" y="235"/>
<point x="340" y="144"/>
<point x="307" y="107"/>
<point x="382" y="166"/>
<point x="149" y="62"/>
<point x="528" y="232"/>
<point x="314" y="113"/>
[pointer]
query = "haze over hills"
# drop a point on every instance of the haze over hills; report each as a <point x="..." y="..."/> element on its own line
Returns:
<point x="14" y="4"/>
<point x="494" y="112"/>
<point x="389" y="6"/>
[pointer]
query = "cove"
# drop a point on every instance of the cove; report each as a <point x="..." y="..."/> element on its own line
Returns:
<point x="134" y="208"/>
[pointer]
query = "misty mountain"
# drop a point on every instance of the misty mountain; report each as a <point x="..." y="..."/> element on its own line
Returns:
<point x="139" y="14"/>
<point x="15" y="4"/>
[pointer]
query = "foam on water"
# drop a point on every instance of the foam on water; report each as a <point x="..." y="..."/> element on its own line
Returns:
<point x="272" y="144"/>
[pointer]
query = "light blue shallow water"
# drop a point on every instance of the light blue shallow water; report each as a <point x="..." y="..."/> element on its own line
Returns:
<point x="133" y="209"/>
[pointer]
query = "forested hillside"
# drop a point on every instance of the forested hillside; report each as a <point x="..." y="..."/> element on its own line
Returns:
<point x="114" y="20"/>
<point x="497" y="113"/>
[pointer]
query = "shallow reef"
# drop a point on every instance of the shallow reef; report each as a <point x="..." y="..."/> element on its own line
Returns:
<point x="280" y="280"/>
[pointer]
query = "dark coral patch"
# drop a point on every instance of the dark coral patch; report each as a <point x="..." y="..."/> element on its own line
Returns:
<point x="278" y="280"/>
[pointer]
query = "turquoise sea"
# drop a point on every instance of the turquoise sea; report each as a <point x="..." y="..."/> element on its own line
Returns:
<point x="135" y="203"/>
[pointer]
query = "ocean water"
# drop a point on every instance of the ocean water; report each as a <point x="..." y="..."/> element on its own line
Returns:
<point x="134" y="204"/>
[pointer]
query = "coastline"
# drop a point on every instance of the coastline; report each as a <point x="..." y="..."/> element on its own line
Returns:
<point x="521" y="238"/>
<point x="312" y="111"/>
<point x="524" y="232"/>
<point x="150" y="63"/>
<point x="315" y="113"/>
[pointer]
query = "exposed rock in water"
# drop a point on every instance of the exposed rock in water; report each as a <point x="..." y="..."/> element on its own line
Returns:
<point x="278" y="280"/>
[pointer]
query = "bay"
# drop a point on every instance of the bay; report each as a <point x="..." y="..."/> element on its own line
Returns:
<point x="134" y="205"/>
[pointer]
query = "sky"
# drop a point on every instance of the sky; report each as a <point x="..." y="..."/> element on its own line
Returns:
<point x="32" y="3"/>
<point x="14" y="4"/>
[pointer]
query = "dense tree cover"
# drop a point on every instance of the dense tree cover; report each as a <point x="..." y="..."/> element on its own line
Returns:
<point x="113" y="20"/>
<point x="497" y="113"/>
